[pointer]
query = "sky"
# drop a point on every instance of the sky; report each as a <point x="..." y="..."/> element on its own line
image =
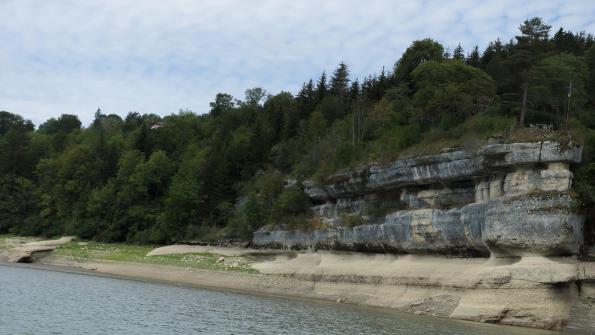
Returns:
<point x="156" y="56"/>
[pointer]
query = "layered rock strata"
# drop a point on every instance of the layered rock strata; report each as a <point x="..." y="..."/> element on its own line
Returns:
<point x="500" y="200"/>
<point x="512" y="203"/>
<point x="33" y="251"/>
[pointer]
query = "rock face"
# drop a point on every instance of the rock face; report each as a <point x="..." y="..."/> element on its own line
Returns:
<point x="535" y="224"/>
<point x="503" y="199"/>
<point x="33" y="251"/>
<point x="512" y="202"/>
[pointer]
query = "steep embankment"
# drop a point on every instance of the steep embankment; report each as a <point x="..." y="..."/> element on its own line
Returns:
<point x="511" y="202"/>
<point x="505" y="291"/>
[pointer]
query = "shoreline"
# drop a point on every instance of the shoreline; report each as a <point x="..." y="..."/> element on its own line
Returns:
<point x="476" y="290"/>
<point x="530" y="292"/>
<point x="82" y="270"/>
<point x="85" y="272"/>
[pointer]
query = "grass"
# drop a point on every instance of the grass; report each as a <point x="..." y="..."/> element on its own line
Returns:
<point x="120" y="252"/>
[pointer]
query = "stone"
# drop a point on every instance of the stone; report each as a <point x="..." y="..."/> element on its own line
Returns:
<point x="539" y="223"/>
<point x="507" y="199"/>
<point x="33" y="251"/>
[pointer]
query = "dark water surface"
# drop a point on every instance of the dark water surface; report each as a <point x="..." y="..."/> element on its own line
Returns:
<point x="34" y="301"/>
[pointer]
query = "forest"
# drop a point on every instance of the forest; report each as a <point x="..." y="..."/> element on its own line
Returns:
<point x="224" y="174"/>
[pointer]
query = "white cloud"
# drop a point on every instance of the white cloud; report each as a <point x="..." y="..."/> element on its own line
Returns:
<point x="157" y="57"/>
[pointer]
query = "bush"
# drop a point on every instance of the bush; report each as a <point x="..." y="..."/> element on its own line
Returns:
<point x="292" y="202"/>
<point x="352" y="220"/>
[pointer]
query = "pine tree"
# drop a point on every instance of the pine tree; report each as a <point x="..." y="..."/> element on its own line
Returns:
<point x="306" y="99"/>
<point x="321" y="87"/>
<point x="340" y="81"/>
<point x="473" y="58"/>
<point x="459" y="53"/>
<point x="354" y="90"/>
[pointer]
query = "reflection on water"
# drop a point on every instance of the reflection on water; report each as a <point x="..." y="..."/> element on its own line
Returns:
<point x="34" y="301"/>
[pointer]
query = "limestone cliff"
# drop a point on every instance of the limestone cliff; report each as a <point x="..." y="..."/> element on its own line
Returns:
<point x="503" y="199"/>
<point x="511" y="202"/>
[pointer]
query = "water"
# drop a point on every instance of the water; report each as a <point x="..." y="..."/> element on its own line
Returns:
<point x="34" y="301"/>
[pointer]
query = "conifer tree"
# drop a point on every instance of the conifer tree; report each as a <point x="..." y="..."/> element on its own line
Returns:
<point x="459" y="53"/>
<point x="321" y="87"/>
<point x="473" y="58"/>
<point x="340" y="81"/>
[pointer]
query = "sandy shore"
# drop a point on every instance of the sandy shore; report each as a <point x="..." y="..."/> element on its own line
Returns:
<point x="227" y="280"/>
<point x="532" y="292"/>
<point x="518" y="293"/>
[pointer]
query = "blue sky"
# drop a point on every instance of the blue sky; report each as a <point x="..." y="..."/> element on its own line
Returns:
<point x="156" y="56"/>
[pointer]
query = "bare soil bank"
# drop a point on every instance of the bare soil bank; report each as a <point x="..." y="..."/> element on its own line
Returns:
<point x="532" y="292"/>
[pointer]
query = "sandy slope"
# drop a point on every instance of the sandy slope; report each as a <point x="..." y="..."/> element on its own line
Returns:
<point x="231" y="251"/>
<point x="530" y="292"/>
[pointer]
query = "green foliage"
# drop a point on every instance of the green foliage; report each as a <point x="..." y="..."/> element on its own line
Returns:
<point x="82" y="251"/>
<point x="17" y="201"/>
<point x="418" y="53"/>
<point x="550" y="85"/>
<point x="352" y="220"/>
<point x="185" y="197"/>
<point x="184" y="176"/>
<point x="291" y="203"/>
<point x="449" y="92"/>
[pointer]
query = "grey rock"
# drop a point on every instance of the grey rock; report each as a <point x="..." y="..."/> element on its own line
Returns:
<point x="443" y="167"/>
<point x="539" y="223"/>
<point x="504" y="199"/>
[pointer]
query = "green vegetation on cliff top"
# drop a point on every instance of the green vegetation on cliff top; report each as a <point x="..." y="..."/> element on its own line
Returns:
<point x="186" y="176"/>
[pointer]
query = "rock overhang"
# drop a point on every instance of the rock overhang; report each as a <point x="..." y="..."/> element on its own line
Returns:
<point x="453" y="202"/>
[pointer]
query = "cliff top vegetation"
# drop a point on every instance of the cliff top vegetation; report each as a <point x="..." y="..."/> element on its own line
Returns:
<point x="186" y="176"/>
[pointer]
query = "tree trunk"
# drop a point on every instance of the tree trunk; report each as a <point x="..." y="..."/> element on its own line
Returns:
<point x="353" y="128"/>
<point x="524" y="105"/>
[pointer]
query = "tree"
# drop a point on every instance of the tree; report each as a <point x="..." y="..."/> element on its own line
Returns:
<point x="224" y="174"/>
<point x="589" y="59"/>
<point x="419" y="52"/>
<point x="306" y="100"/>
<point x="332" y="107"/>
<point x="496" y="51"/>
<point x="9" y="121"/>
<point x="65" y="124"/>
<point x="18" y="202"/>
<point x="359" y="118"/>
<point x="291" y="202"/>
<point x="185" y="197"/>
<point x="449" y="92"/>
<point x="13" y="151"/>
<point x="340" y="81"/>
<point x="321" y="87"/>
<point x="550" y="95"/>
<point x="473" y="58"/>
<point x="151" y="177"/>
<point x="532" y="44"/>
<point x="281" y="116"/>
<point x="316" y="127"/>
<point x="533" y="31"/>
<point x="459" y="53"/>
<point x="354" y="90"/>
<point x="254" y="96"/>
<point x="60" y="130"/>
<point x="223" y="102"/>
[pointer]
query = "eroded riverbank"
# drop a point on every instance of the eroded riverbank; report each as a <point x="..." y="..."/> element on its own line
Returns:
<point x="531" y="292"/>
<point x="44" y="302"/>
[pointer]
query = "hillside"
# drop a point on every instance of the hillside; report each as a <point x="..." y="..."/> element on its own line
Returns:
<point x="187" y="176"/>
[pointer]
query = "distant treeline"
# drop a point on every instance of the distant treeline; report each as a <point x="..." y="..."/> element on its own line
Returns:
<point x="149" y="179"/>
